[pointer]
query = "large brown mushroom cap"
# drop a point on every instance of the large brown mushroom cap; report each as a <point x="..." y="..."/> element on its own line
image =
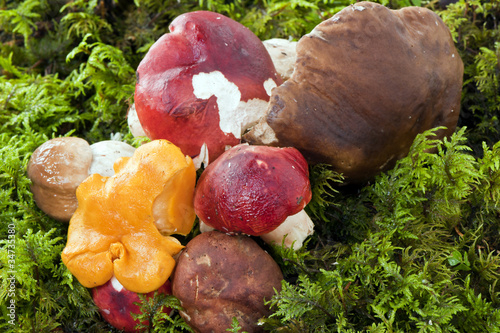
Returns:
<point x="365" y="83"/>
<point x="56" y="168"/>
<point x="219" y="276"/>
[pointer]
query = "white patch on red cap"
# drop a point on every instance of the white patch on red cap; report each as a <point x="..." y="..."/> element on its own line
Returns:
<point x="206" y="85"/>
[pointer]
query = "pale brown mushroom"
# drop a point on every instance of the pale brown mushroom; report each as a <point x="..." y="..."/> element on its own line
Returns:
<point x="56" y="168"/>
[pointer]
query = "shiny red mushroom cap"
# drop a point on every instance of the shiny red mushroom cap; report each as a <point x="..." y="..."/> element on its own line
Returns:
<point x="204" y="83"/>
<point x="252" y="189"/>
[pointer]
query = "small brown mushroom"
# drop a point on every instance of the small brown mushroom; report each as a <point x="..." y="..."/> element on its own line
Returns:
<point x="219" y="277"/>
<point x="365" y="83"/>
<point x="56" y="168"/>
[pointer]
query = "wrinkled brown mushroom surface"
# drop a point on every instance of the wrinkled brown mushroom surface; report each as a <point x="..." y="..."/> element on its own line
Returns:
<point x="365" y="83"/>
<point x="220" y="276"/>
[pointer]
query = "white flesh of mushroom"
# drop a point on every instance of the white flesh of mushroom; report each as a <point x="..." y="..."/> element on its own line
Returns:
<point x="202" y="158"/>
<point x="283" y="54"/>
<point x="104" y="155"/>
<point x="116" y="284"/>
<point x="296" y="228"/>
<point x="235" y="116"/>
<point x="133" y="123"/>
<point x="264" y="133"/>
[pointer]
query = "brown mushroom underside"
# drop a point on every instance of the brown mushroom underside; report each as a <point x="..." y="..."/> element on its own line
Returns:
<point x="220" y="276"/>
<point x="366" y="82"/>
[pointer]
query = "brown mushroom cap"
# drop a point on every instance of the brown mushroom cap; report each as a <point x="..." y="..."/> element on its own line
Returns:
<point x="219" y="276"/>
<point x="55" y="169"/>
<point x="365" y="83"/>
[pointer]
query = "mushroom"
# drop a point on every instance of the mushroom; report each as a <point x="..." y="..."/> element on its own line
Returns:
<point x="283" y="52"/>
<point x="133" y="122"/>
<point x="253" y="190"/>
<point x="104" y="155"/>
<point x="59" y="165"/>
<point x="55" y="169"/>
<point x="219" y="277"/>
<point x="117" y="304"/>
<point x="203" y="84"/>
<point x="365" y="83"/>
<point x="123" y="223"/>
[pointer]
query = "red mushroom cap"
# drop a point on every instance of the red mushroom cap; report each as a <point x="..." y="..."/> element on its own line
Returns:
<point x="117" y="304"/>
<point x="252" y="189"/>
<point x="205" y="82"/>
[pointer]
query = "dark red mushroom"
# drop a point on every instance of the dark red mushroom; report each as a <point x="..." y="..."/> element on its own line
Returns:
<point x="253" y="190"/>
<point x="117" y="304"/>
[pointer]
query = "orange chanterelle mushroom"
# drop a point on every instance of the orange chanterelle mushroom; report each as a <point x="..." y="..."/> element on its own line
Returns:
<point x="123" y="223"/>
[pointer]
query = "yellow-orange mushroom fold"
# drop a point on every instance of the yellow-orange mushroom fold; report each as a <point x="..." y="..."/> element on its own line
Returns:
<point x="123" y="223"/>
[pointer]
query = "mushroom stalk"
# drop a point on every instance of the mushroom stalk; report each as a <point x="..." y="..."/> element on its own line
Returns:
<point x="292" y="232"/>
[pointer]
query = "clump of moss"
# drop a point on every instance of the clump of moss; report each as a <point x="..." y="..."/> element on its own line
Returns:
<point x="430" y="242"/>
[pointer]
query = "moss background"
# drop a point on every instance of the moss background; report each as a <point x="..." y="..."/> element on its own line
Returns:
<point x="417" y="250"/>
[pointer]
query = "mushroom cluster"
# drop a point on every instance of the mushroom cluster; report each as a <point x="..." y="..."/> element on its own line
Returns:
<point x="59" y="165"/>
<point x="356" y="92"/>
<point x="123" y="223"/>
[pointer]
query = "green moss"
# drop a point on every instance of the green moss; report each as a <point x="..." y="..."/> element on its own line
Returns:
<point x="417" y="250"/>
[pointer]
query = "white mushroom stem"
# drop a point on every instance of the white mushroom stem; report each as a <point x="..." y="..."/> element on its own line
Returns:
<point x="105" y="154"/>
<point x="296" y="228"/>
<point x="133" y="122"/>
<point x="202" y="158"/>
<point x="283" y="53"/>
<point x="205" y="227"/>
